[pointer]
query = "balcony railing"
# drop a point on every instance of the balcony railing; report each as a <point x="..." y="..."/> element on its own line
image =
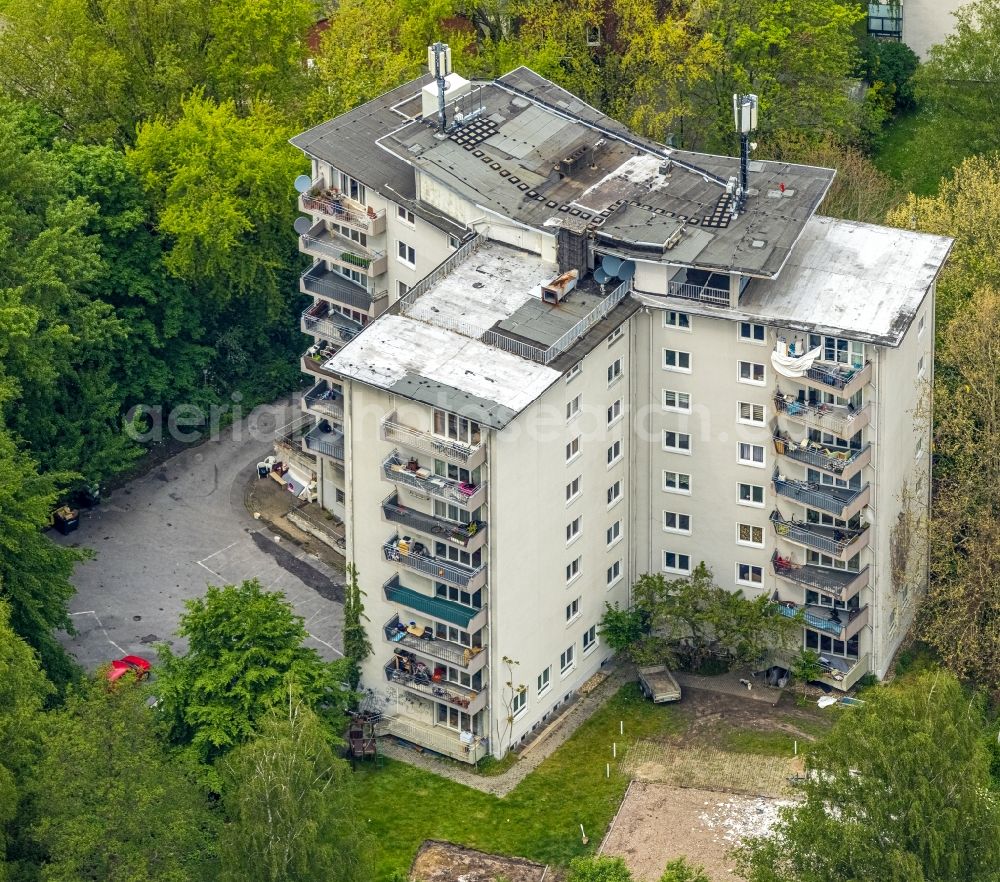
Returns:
<point x="840" y="623"/>
<point x="450" y="693"/>
<point x="315" y="358"/>
<point x="320" y="199"/>
<point x="320" y="281"/>
<point x="844" y="673"/>
<point x="841" y="461"/>
<point x="468" y="618"/>
<point x="325" y="400"/>
<point x="470" y="658"/>
<point x="331" y="245"/>
<point x="840" y="542"/>
<point x="841" y="584"/>
<point x="321" y="321"/>
<point x="840" y="420"/>
<point x="843" y="379"/>
<point x="439" y="569"/>
<point x="439" y="739"/>
<point x="288" y="444"/>
<point x="469" y="455"/>
<point x="843" y="502"/>
<point x="329" y="443"/>
<point x="469" y="536"/>
<point x="693" y="291"/>
<point x="426" y="483"/>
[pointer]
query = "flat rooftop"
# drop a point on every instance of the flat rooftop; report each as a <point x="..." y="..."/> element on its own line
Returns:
<point x="634" y="195"/>
<point x="846" y="279"/>
<point x="472" y="343"/>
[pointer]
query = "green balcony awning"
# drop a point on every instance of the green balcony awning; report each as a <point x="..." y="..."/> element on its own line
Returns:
<point x="435" y="607"/>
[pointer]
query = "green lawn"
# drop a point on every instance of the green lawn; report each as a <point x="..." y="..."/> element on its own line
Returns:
<point x="540" y="819"/>
<point x="915" y="153"/>
<point x="761" y="743"/>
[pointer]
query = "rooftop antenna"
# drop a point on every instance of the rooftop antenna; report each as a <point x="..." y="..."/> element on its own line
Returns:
<point x="439" y="60"/>
<point x="745" y="115"/>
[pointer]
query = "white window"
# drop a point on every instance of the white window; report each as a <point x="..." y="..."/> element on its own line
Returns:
<point x="674" y="562"/>
<point x="454" y="242"/>
<point x="748" y="534"/>
<point x="751" y="454"/>
<point x="573" y="569"/>
<point x="614" y="371"/>
<point x="676" y="482"/>
<point x="920" y="366"/>
<point x="748" y="574"/>
<point x="406" y="253"/>
<point x="572" y="609"/>
<point x="750" y="494"/>
<point x="572" y="408"/>
<point x="614" y="493"/>
<point x="573" y="489"/>
<point x="573" y="529"/>
<point x="573" y="372"/>
<point x="675" y="360"/>
<point x="402" y="289"/>
<point x="920" y="326"/>
<point x="405" y="215"/>
<point x="678" y="401"/>
<point x="614" y="533"/>
<point x="919" y="449"/>
<point x="676" y="442"/>
<point x="673" y="319"/>
<point x="566" y="659"/>
<point x="751" y="372"/>
<point x="545" y="680"/>
<point x="573" y="449"/>
<point x="750" y="414"/>
<point x="614" y="453"/>
<point x="615" y="411"/>
<point x="616" y="334"/>
<point x="589" y="639"/>
<point x="518" y="701"/>
<point x="614" y="573"/>
<point x="750" y="333"/>
<point x="676" y="522"/>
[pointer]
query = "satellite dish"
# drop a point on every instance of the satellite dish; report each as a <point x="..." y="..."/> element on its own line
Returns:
<point x="302" y="225"/>
<point x="601" y="277"/>
<point x="610" y="264"/>
<point x="303" y="183"/>
<point x="626" y="270"/>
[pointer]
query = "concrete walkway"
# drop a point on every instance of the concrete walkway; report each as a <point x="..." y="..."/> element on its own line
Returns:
<point x="548" y="742"/>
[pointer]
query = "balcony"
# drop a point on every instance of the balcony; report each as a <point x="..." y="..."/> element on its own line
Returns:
<point x="438" y="739"/>
<point x="343" y="251"/>
<point x="843" y="462"/>
<point x="325" y="323"/>
<point x="840" y="420"/>
<point x="469" y="455"/>
<point x="470" y="537"/>
<point x="288" y="445"/>
<point x="409" y="474"/>
<point x="468" y="658"/>
<point x="330" y="202"/>
<point x="842" y="379"/>
<point x="841" y="624"/>
<point x="416" y="557"/>
<point x="468" y="618"/>
<point x="315" y="358"/>
<point x="841" y="502"/>
<point x="837" y="583"/>
<point x="326" y="440"/>
<point x="844" y="672"/>
<point x="321" y="282"/>
<point x="325" y="400"/>
<point x="839" y="542"/>
<point x="700" y="285"/>
<point x="420" y="681"/>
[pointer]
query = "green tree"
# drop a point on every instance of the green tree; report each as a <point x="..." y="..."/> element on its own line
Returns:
<point x="244" y="651"/>
<point x="805" y="666"/>
<point x="679" y="870"/>
<point x="357" y="646"/>
<point x="110" y="802"/>
<point x="893" y="64"/>
<point x="598" y="869"/>
<point x="899" y="790"/>
<point x="291" y="806"/>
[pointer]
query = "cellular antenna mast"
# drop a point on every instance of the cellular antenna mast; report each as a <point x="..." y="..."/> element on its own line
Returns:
<point x="745" y="114"/>
<point x="439" y="61"/>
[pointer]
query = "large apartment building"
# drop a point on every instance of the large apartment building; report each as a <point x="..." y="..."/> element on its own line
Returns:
<point x="551" y="356"/>
<point x="919" y="24"/>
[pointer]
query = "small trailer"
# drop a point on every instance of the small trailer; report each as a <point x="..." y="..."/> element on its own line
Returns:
<point x="658" y="684"/>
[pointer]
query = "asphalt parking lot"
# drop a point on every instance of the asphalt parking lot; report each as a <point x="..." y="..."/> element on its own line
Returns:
<point x="163" y="538"/>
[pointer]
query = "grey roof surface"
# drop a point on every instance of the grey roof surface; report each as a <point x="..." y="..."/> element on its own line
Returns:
<point x="844" y="278"/>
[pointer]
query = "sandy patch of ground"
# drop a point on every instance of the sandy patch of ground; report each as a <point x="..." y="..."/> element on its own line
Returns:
<point x="444" y="862"/>
<point x="660" y="822"/>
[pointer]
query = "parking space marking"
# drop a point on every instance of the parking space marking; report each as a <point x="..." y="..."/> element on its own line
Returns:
<point x="97" y="618"/>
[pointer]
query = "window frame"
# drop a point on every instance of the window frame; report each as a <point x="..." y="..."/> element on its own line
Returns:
<point x="751" y="338"/>
<point x="682" y="323"/>
<point x="677" y="447"/>
<point x="750" y="543"/>
<point x="749" y="380"/>
<point x="677" y="528"/>
<point x="752" y="407"/>
<point x="615" y="454"/>
<point x="678" y="569"/>
<point x="751" y="462"/>
<point x="749" y="503"/>
<point x="676" y="368"/>
<point x="404" y="252"/>
<point x="750" y="569"/>
<point x="676" y="408"/>
<point x="678" y="489"/>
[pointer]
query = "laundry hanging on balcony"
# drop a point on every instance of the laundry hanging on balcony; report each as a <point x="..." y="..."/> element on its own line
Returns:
<point x="791" y="365"/>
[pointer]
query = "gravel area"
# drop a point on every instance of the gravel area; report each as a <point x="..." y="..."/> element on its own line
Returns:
<point x="500" y="785"/>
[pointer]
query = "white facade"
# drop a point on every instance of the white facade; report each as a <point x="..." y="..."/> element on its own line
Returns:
<point x="920" y="24"/>
<point x="496" y="499"/>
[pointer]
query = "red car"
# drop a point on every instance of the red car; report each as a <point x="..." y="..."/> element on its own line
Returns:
<point x="134" y="663"/>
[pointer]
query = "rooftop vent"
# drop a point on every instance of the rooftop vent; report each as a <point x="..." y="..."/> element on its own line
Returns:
<point x="579" y="158"/>
<point x="556" y="290"/>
